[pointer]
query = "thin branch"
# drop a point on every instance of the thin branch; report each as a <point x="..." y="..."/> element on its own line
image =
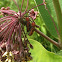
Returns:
<point x="49" y="39"/>
<point x="12" y="30"/>
<point x="13" y="37"/>
<point x="52" y="20"/>
<point x="54" y="25"/>
<point x="59" y="16"/>
<point x="20" y="41"/>
<point x="17" y="5"/>
<point x="6" y="34"/>
<point x="22" y="5"/>
<point x="26" y="6"/>
<point x="32" y="8"/>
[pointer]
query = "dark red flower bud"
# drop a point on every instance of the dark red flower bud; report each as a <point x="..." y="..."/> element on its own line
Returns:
<point x="27" y="19"/>
<point x="33" y="24"/>
<point x="31" y="31"/>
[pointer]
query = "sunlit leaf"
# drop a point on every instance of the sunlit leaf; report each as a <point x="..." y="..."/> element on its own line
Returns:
<point x="40" y="54"/>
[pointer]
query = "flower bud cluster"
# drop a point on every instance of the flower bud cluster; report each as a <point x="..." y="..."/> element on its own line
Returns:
<point x="12" y="34"/>
<point x="14" y="43"/>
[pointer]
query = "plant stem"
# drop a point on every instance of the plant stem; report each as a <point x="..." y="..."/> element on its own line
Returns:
<point x="46" y="37"/>
<point x="49" y="39"/>
<point x="22" y="5"/>
<point x="16" y="5"/>
<point x="54" y="25"/>
<point x="20" y="41"/>
<point x="32" y="8"/>
<point x="59" y="17"/>
<point x="26" y="6"/>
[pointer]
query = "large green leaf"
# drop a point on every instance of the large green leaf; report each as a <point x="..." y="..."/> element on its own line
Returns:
<point x="46" y="17"/>
<point x="40" y="54"/>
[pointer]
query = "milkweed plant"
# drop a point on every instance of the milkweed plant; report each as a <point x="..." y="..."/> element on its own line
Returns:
<point x="14" y="44"/>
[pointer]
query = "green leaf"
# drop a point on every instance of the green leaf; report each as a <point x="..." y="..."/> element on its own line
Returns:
<point x="46" y="17"/>
<point x="59" y="52"/>
<point x="60" y="4"/>
<point x="40" y="54"/>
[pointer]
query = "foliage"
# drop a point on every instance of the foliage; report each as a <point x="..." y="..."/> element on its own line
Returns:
<point x="46" y="16"/>
<point x="40" y="54"/>
<point x="47" y="20"/>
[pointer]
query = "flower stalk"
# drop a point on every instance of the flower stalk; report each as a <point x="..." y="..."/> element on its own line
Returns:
<point x="59" y="17"/>
<point x="49" y="39"/>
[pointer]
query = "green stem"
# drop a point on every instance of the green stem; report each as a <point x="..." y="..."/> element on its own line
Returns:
<point x="49" y="39"/>
<point x="59" y="17"/>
